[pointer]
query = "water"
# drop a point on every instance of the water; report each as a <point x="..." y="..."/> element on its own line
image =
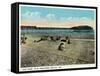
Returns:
<point x="60" y="32"/>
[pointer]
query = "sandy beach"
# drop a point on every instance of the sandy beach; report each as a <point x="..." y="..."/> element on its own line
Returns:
<point x="46" y="53"/>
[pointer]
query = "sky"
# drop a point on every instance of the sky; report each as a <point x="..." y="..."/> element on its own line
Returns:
<point x="56" y="17"/>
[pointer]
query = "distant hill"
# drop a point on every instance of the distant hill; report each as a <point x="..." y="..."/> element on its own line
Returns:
<point x="76" y="28"/>
<point x="28" y="27"/>
<point x="82" y="28"/>
<point x="35" y="27"/>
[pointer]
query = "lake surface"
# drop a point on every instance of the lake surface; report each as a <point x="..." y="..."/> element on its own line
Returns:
<point x="88" y="34"/>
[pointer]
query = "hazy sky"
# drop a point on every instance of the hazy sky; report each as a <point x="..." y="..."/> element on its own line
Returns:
<point x="56" y="17"/>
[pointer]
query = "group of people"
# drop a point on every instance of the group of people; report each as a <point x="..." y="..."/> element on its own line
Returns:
<point x="62" y="40"/>
<point x="61" y="46"/>
<point x="23" y="39"/>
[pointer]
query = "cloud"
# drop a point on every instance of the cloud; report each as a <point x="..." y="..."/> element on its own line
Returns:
<point x="50" y="17"/>
<point x="37" y="16"/>
<point x="32" y="16"/>
<point x="75" y="19"/>
<point x="85" y="18"/>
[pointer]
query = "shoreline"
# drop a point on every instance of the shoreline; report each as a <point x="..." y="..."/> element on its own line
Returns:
<point x="83" y="39"/>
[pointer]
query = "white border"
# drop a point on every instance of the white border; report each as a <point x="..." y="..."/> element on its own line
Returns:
<point x="57" y="7"/>
<point x="57" y="67"/>
<point x="51" y="67"/>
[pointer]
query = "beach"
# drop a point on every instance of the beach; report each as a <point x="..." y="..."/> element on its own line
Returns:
<point x="46" y="53"/>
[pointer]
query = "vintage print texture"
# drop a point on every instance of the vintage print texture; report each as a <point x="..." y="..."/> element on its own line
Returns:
<point x="52" y="36"/>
